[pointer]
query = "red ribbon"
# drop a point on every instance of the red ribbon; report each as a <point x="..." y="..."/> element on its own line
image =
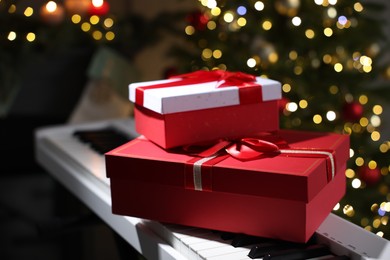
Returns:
<point x="223" y="78"/>
<point x="247" y="149"/>
<point x="242" y="149"/>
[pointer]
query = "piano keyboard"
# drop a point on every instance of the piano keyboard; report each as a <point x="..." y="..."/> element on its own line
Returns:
<point x="80" y="150"/>
<point x="196" y="243"/>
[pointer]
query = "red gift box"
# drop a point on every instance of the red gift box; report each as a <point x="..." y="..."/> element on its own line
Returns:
<point x="204" y="105"/>
<point x="284" y="192"/>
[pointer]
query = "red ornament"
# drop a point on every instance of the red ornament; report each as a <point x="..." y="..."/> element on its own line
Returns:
<point x="99" y="10"/>
<point x="198" y="20"/>
<point x="282" y="104"/>
<point x="369" y="176"/>
<point x="352" y="111"/>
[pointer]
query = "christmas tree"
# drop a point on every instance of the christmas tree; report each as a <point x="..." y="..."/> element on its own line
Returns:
<point x="327" y="55"/>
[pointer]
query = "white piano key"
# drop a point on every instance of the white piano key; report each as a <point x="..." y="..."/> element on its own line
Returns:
<point x="220" y="251"/>
<point x="239" y="255"/>
<point x="211" y="244"/>
<point x="200" y="235"/>
<point x="192" y="240"/>
<point x="186" y="237"/>
<point x="173" y="235"/>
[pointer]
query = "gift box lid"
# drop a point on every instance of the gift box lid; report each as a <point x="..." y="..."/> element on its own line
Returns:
<point x="299" y="173"/>
<point x="203" y="90"/>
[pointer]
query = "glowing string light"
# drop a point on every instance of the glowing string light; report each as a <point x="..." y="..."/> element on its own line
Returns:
<point x="317" y="119"/>
<point x="97" y="3"/>
<point x="331" y="115"/>
<point x="28" y="11"/>
<point x="332" y="12"/>
<point x="76" y="18"/>
<point x="259" y="6"/>
<point x="292" y="106"/>
<point x="296" y="21"/>
<point x="30" y="37"/>
<point x="342" y="20"/>
<point x="228" y="17"/>
<point x="108" y="22"/>
<point x="11" y="36"/>
<point x="241" y="10"/>
<point x="356" y="183"/>
<point x="251" y="62"/>
<point x="51" y="6"/>
<point x="110" y="36"/>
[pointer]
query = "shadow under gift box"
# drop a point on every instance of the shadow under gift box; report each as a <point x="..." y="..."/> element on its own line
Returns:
<point x="284" y="197"/>
<point x="189" y="112"/>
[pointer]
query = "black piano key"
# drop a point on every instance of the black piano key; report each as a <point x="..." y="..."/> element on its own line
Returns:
<point x="106" y="144"/>
<point x="295" y="254"/>
<point x="102" y="134"/>
<point x="87" y="135"/>
<point x="241" y="240"/>
<point x="227" y="235"/>
<point x="102" y="140"/>
<point x="260" y="250"/>
<point x="103" y="147"/>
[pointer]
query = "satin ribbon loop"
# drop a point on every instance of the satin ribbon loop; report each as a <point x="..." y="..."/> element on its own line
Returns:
<point x="238" y="79"/>
<point x="251" y="148"/>
<point x="260" y="145"/>
<point x="242" y="149"/>
<point x="223" y="78"/>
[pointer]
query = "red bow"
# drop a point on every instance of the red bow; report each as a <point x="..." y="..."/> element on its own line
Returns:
<point x="223" y="78"/>
<point x="243" y="149"/>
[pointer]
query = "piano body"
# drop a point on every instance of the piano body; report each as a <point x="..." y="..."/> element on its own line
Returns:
<point x="82" y="171"/>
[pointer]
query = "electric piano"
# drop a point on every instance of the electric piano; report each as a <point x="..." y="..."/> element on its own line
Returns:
<point x="68" y="153"/>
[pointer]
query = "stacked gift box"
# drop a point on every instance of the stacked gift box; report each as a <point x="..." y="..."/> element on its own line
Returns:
<point x="211" y="155"/>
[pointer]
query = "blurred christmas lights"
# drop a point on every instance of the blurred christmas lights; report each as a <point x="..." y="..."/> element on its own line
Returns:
<point x="91" y="16"/>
